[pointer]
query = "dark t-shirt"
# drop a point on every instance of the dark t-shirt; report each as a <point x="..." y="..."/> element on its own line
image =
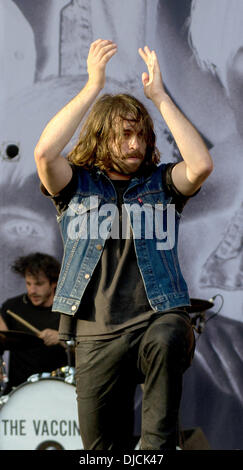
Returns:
<point x="37" y="359"/>
<point x="115" y="299"/>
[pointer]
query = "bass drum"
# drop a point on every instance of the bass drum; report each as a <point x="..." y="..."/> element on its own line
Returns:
<point x="40" y="415"/>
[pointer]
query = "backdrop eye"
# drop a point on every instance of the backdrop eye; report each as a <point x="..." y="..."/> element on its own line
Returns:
<point x="18" y="229"/>
<point x="10" y="151"/>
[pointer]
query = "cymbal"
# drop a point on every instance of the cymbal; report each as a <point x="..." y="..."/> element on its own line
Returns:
<point x="18" y="340"/>
<point x="199" y="305"/>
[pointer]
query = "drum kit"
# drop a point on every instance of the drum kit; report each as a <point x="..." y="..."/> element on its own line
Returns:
<point x="41" y="413"/>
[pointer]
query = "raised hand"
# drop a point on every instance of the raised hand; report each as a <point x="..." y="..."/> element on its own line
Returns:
<point x="100" y="53"/>
<point x="152" y="80"/>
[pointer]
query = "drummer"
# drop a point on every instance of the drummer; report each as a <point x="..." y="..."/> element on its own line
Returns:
<point x="40" y="272"/>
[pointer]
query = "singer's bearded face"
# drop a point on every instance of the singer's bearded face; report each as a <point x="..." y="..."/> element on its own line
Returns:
<point x="128" y="153"/>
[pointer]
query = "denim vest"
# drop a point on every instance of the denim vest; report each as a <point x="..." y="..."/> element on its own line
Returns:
<point x="86" y="223"/>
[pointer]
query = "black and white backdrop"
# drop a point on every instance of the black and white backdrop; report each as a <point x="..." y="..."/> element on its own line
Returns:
<point x="43" y="50"/>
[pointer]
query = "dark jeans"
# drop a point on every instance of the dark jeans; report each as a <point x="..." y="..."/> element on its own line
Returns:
<point x="108" y="371"/>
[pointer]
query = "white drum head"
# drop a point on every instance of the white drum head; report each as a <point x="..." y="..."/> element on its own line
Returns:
<point x="41" y="415"/>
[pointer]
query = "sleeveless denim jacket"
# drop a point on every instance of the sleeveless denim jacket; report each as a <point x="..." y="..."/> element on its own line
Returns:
<point x="86" y="224"/>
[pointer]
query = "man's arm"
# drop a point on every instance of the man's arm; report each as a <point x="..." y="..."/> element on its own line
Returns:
<point x="3" y="326"/>
<point x="197" y="164"/>
<point x="53" y="169"/>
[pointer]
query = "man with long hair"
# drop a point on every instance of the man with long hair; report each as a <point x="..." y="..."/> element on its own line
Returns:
<point x="121" y="290"/>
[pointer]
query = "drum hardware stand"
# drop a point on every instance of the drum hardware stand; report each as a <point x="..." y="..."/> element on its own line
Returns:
<point x="198" y="322"/>
<point x="69" y="346"/>
<point x="4" y="377"/>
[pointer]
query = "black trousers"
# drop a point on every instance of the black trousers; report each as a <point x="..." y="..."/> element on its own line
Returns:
<point x="107" y="373"/>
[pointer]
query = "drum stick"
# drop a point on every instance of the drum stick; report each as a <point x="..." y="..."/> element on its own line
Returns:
<point x="24" y="322"/>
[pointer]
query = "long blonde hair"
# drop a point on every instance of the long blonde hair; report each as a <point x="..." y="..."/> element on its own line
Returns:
<point x="93" y="146"/>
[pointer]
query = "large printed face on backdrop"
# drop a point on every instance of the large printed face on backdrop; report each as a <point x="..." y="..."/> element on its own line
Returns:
<point x="45" y="45"/>
<point x="217" y="43"/>
<point x="55" y="70"/>
<point x="39" y="79"/>
<point x="27" y="224"/>
<point x="27" y="219"/>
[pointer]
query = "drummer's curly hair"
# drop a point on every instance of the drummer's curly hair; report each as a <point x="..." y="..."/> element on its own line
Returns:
<point x="35" y="263"/>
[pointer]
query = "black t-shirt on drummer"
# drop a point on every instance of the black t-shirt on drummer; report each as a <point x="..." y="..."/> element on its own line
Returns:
<point x="36" y="359"/>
